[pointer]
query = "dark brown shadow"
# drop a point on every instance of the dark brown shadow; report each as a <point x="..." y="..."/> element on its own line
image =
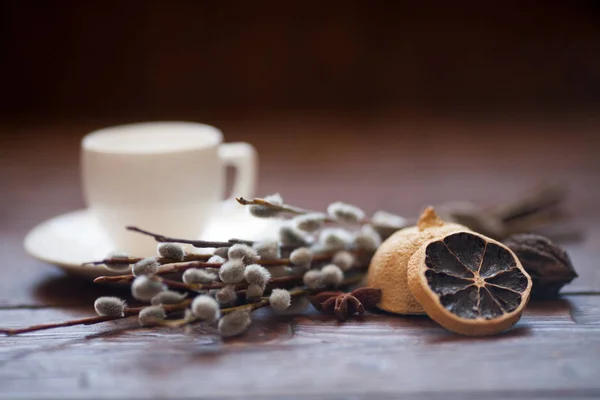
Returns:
<point x="69" y="291"/>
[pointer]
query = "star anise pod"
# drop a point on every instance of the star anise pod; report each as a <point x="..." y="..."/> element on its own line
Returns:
<point x="548" y="264"/>
<point x="343" y="305"/>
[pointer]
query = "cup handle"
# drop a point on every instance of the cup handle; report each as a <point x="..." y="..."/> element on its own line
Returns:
<point x="243" y="157"/>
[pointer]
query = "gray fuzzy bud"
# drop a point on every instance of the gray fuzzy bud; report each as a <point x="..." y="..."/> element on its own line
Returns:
<point x="243" y="252"/>
<point x="109" y="306"/>
<point x="147" y="266"/>
<point x="144" y="288"/>
<point x="386" y="223"/>
<point x="232" y="271"/>
<point x="234" y="323"/>
<point x="290" y="235"/>
<point x="216" y="260"/>
<point x="332" y="275"/>
<point x="301" y="257"/>
<point x="115" y="255"/>
<point x="254" y="292"/>
<point x="257" y="274"/>
<point x="205" y="308"/>
<point x="280" y="299"/>
<point x="168" y="297"/>
<point x="346" y="213"/>
<point x="343" y="259"/>
<point x="266" y="211"/>
<point x="221" y="252"/>
<point x="226" y="295"/>
<point x="194" y="276"/>
<point x="149" y="315"/>
<point x="267" y="250"/>
<point x="367" y="239"/>
<point x="313" y="279"/>
<point x="334" y="239"/>
<point x="309" y="222"/>
<point x="172" y="251"/>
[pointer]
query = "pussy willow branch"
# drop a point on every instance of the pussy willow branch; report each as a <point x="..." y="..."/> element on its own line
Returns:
<point x="182" y="266"/>
<point x="196" y="243"/>
<point x="133" y="260"/>
<point x="286" y="208"/>
<point x="264" y="302"/>
<point x="169" y="308"/>
<point x="276" y="207"/>
<point x="128" y="312"/>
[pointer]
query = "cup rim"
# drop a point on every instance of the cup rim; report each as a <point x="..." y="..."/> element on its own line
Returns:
<point x="92" y="141"/>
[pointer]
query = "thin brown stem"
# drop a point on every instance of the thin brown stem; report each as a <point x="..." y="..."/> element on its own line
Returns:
<point x="182" y="266"/>
<point x="128" y="312"/>
<point x="133" y="260"/>
<point x="196" y="243"/>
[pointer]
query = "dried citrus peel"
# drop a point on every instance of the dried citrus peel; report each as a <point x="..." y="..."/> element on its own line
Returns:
<point x="388" y="268"/>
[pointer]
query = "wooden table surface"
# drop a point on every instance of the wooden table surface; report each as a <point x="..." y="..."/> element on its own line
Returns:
<point x="378" y="162"/>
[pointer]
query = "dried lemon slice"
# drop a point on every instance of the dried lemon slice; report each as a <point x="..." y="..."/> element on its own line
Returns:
<point x="469" y="283"/>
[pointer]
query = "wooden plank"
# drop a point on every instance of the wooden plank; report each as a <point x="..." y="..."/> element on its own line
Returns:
<point x="549" y="352"/>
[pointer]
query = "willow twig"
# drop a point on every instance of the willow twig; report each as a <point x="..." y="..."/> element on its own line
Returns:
<point x="275" y="207"/>
<point x="133" y="260"/>
<point x="196" y="243"/>
<point x="128" y="312"/>
<point x="182" y="266"/>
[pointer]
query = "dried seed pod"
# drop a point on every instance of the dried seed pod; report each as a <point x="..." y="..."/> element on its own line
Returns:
<point x="196" y="275"/>
<point x="267" y="250"/>
<point x="234" y="323"/>
<point x="232" y="271"/>
<point x="257" y="275"/>
<point x="147" y="266"/>
<point x="205" y="308"/>
<point x="149" y="315"/>
<point x="109" y="306"/>
<point x="280" y="299"/>
<point x="548" y="264"/>
<point x="331" y="275"/>
<point x="168" y="297"/>
<point x="243" y="252"/>
<point x="144" y="288"/>
<point x="309" y="222"/>
<point x="172" y="251"/>
<point x="346" y="213"/>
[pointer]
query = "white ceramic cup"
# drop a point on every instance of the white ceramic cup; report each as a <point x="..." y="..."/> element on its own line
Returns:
<point x="165" y="177"/>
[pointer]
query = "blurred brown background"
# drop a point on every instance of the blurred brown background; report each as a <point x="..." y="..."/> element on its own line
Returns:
<point x="193" y="58"/>
<point x="383" y="103"/>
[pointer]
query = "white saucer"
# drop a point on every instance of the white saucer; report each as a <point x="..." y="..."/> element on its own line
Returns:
<point x="71" y="239"/>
